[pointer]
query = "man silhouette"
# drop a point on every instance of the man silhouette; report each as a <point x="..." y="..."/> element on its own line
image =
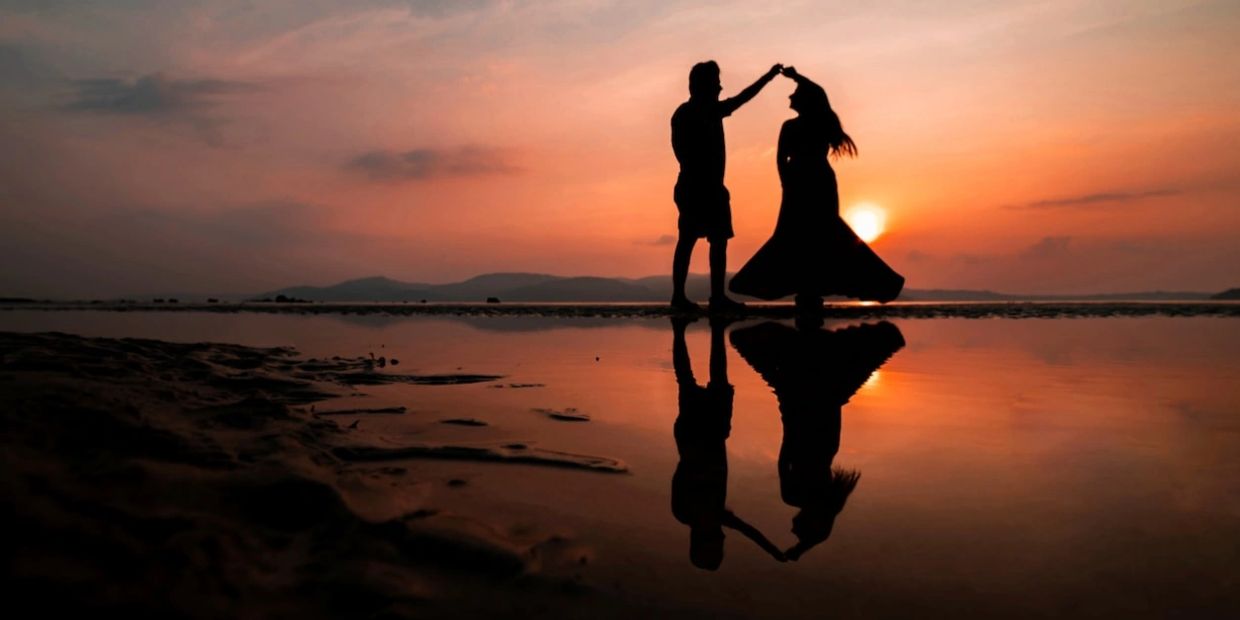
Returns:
<point x="701" y="198"/>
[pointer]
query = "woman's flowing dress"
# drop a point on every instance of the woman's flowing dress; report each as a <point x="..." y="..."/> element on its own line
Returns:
<point x="813" y="252"/>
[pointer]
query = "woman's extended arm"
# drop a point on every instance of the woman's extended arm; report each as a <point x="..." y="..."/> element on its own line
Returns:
<point x="791" y="72"/>
<point x="752" y="533"/>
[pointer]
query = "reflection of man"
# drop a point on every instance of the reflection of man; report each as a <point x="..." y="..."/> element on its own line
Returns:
<point x="700" y="483"/>
<point x="703" y="201"/>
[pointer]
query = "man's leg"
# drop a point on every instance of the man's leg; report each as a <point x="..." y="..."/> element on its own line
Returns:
<point x="719" y="299"/>
<point x="680" y="270"/>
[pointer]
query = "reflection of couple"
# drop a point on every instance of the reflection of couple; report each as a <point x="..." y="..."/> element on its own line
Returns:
<point x="812" y="252"/>
<point x="813" y="373"/>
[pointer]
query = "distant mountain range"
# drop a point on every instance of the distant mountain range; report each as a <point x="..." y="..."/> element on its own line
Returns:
<point x="537" y="287"/>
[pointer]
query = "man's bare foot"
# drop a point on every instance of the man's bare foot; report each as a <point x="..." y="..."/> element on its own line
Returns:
<point x="725" y="304"/>
<point x="683" y="304"/>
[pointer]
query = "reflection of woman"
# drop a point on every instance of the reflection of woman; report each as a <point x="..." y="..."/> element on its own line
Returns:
<point x="700" y="483"/>
<point x="812" y="252"/>
<point x="813" y="373"/>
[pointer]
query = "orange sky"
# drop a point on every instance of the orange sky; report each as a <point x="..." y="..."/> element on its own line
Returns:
<point x="176" y="146"/>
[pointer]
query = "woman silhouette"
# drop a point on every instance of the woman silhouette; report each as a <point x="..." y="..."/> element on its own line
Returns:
<point x="812" y="252"/>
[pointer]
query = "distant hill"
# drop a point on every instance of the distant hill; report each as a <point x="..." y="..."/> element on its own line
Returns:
<point x="375" y="288"/>
<point x="972" y="295"/>
<point x="478" y="288"/>
<point x="528" y="287"/>
<point x="581" y="289"/>
<point x="538" y="287"/>
<point x="944" y="294"/>
<point x="1229" y="294"/>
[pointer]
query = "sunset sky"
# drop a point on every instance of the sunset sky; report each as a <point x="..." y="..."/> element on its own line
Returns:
<point x="241" y="146"/>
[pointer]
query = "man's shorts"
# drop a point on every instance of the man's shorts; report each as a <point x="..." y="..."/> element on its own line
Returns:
<point x="705" y="211"/>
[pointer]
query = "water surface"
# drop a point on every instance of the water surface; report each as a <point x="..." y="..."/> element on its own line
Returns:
<point x="1057" y="467"/>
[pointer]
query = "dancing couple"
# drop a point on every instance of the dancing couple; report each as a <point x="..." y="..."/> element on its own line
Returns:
<point x="812" y="252"/>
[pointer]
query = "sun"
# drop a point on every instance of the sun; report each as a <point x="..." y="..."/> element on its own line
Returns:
<point x="867" y="219"/>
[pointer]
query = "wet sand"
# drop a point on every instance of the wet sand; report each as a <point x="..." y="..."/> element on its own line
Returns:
<point x="198" y="480"/>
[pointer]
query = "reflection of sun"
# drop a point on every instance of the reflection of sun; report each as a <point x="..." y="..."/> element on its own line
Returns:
<point x="872" y="382"/>
<point x="866" y="219"/>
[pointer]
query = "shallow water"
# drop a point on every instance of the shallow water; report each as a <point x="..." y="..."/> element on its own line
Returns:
<point x="1057" y="467"/>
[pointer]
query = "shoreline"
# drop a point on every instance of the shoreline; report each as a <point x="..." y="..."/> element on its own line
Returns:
<point x="847" y="310"/>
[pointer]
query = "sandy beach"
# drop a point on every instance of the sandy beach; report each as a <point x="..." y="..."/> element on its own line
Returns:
<point x="198" y="480"/>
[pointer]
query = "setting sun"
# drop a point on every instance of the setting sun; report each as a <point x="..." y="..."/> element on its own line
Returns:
<point x="867" y="220"/>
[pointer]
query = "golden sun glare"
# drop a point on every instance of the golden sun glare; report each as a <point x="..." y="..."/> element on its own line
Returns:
<point x="868" y="220"/>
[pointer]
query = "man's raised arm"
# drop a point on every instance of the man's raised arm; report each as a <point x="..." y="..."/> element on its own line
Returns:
<point x="730" y="104"/>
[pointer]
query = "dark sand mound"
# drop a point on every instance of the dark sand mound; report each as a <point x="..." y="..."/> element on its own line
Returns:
<point x="183" y="480"/>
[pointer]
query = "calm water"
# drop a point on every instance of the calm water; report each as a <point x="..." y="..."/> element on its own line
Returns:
<point x="1062" y="467"/>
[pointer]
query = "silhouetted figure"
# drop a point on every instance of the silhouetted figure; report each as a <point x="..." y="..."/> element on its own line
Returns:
<point x="700" y="483"/>
<point x="813" y="373"/>
<point x="703" y="201"/>
<point x="813" y="252"/>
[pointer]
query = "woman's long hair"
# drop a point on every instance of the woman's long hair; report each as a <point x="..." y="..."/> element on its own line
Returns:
<point x="817" y="108"/>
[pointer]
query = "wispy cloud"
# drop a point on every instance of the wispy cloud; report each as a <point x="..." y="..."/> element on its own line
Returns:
<point x="661" y="240"/>
<point x="427" y="163"/>
<point x="1048" y="247"/>
<point x="151" y="95"/>
<point x="161" y="99"/>
<point x="1101" y="198"/>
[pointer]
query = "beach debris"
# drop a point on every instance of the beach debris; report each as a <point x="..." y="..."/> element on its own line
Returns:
<point x="394" y="361"/>
<point x="398" y="410"/>
<point x="282" y="299"/>
<point x="457" y="483"/>
<point x="355" y="423"/>
<point x="361" y="371"/>
<point x="446" y="379"/>
<point x="567" y="415"/>
<point x="463" y="422"/>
